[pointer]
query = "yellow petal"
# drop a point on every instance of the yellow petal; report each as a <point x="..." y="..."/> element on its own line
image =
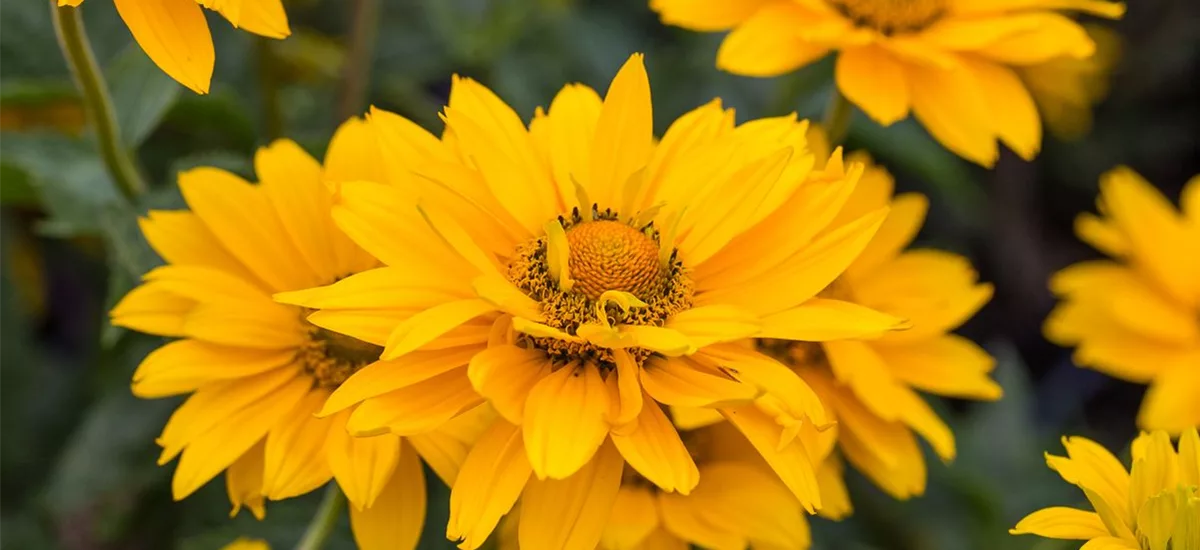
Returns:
<point x="835" y="498"/>
<point x="790" y="463"/>
<point x="207" y="454"/>
<point x="624" y="134"/>
<point x="505" y="375"/>
<point x="1189" y="457"/>
<point x="181" y="238"/>
<point x="684" y="382"/>
<point x="1156" y="520"/>
<point x="1155" y="471"/>
<point x="243" y="483"/>
<point x="416" y="408"/>
<point x="261" y="17"/>
<point x="361" y="465"/>
<point x="771" y="377"/>
<point x="655" y="450"/>
<point x="257" y="325"/>
<point x="424" y="327"/>
<point x="1058" y="522"/>
<point x="634" y="517"/>
<point x="354" y="154"/>
<point x="566" y="417"/>
<point x="385" y="376"/>
<point x="175" y="36"/>
<point x="186" y="365"/>
<point x="571" y="513"/>
<point x="499" y="292"/>
<point x="624" y="386"/>
<point x="684" y="518"/>
<point x="949" y="365"/>
<point x="1014" y="116"/>
<point x="291" y="180"/>
<point x="822" y="319"/>
<point x="492" y="477"/>
<point x="154" y="310"/>
<point x="951" y="106"/>
<point x="767" y="44"/>
<point x="743" y="497"/>
<point x="904" y="220"/>
<point x="397" y="516"/>
<point x="294" y="461"/>
<point x="874" y="81"/>
<point x="1109" y="543"/>
<point x="705" y="15"/>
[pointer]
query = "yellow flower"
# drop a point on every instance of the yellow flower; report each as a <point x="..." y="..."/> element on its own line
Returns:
<point x="175" y="34"/>
<point x="576" y="275"/>
<point x="1138" y="318"/>
<point x="868" y="386"/>
<point x="1153" y="506"/>
<point x="243" y="543"/>
<point x="739" y="502"/>
<point x="949" y="62"/>
<point x="255" y="370"/>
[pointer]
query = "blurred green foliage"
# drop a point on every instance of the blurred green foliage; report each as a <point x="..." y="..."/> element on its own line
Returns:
<point x="77" y="461"/>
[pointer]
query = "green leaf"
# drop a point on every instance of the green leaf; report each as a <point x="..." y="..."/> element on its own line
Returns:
<point x="141" y="93"/>
<point x="69" y="178"/>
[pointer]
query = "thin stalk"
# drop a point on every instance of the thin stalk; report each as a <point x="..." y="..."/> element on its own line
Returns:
<point x="321" y="526"/>
<point x="360" y="52"/>
<point x="72" y="39"/>
<point x="837" y="118"/>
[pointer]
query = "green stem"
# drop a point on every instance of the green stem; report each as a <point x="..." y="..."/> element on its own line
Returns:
<point x="72" y="38"/>
<point x="324" y="520"/>
<point x="269" y="87"/>
<point x="360" y="53"/>
<point x="837" y="118"/>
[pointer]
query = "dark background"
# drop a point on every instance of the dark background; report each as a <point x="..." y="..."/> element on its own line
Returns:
<point x="77" y="450"/>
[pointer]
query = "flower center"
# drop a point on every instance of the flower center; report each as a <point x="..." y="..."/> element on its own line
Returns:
<point x="330" y="358"/>
<point x="604" y="255"/>
<point x="891" y="16"/>
<point x="610" y="255"/>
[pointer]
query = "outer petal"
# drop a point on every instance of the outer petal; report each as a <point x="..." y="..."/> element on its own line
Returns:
<point x="566" y="420"/>
<point x="706" y="15"/>
<point x="634" y="517"/>
<point x="1061" y="523"/>
<point x="295" y="461"/>
<point x="768" y="43"/>
<point x="175" y="35"/>
<point x="624" y="134"/>
<point x="243" y="483"/>
<point x="655" y="450"/>
<point x="571" y="513"/>
<point x="950" y="104"/>
<point x="872" y="79"/>
<point x="395" y="519"/>
<point x="491" y="479"/>
<point x="361" y="465"/>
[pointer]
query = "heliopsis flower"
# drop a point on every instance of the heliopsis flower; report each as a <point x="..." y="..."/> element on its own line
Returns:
<point x="174" y="33"/>
<point x="1153" y="506"/>
<point x="870" y="386"/>
<point x="255" y="370"/>
<point x="948" y="62"/>
<point x="578" y="276"/>
<point x="1137" y="317"/>
<point x="738" y="503"/>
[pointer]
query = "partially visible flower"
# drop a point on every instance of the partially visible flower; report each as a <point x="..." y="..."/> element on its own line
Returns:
<point x="243" y="543"/>
<point x="1153" y="506"/>
<point x="869" y="386"/>
<point x="948" y="62"/>
<point x="579" y="276"/>
<point x="1066" y="89"/>
<point x="255" y="369"/>
<point x="174" y="33"/>
<point x="738" y="503"/>
<point x="1137" y="317"/>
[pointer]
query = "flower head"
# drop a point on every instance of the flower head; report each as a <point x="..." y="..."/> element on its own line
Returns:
<point x="255" y="370"/>
<point x="579" y="276"/>
<point x="948" y="62"/>
<point x="870" y="387"/>
<point x="1137" y="317"/>
<point x="175" y="34"/>
<point x="1153" y="506"/>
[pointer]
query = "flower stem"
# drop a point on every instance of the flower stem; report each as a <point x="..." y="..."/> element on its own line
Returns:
<point x="837" y="118"/>
<point x="360" y="53"/>
<point x="72" y="38"/>
<point x="324" y="520"/>
<point x="268" y="81"/>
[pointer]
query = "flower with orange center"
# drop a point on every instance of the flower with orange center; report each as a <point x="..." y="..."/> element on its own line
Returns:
<point x="578" y="276"/>
<point x="868" y="386"/>
<point x="951" y="63"/>
<point x="255" y="369"/>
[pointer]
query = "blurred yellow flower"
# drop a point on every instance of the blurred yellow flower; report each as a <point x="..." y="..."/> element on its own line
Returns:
<point x="175" y="34"/>
<point x="1153" y="506"/>
<point x="578" y="276"/>
<point x="1066" y="89"/>
<point x="948" y="62"/>
<point x="867" y="385"/>
<point x="247" y="544"/>
<point x="255" y="370"/>
<point x="1138" y="318"/>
